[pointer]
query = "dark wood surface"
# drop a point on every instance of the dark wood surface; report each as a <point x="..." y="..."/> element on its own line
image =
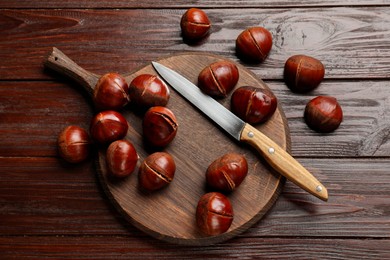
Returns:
<point x="50" y="209"/>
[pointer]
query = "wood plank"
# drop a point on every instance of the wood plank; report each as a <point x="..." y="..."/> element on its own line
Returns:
<point x="365" y="128"/>
<point x="44" y="196"/>
<point x="53" y="105"/>
<point x="359" y="195"/>
<point x="141" y="248"/>
<point x="352" y="42"/>
<point x="32" y="114"/>
<point x="184" y="4"/>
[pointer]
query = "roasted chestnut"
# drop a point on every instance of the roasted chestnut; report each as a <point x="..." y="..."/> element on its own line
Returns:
<point x="214" y="213"/>
<point x="148" y="91"/>
<point x="254" y="44"/>
<point x="159" y="126"/>
<point x="194" y="24"/>
<point x="157" y="171"/>
<point x="74" y="144"/>
<point x="227" y="172"/>
<point x="323" y="114"/>
<point x="111" y="92"/>
<point x="303" y="73"/>
<point x="218" y="78"/>
<point x="108" y="126"/>
<point x="253" y="105"/>
<point x="121" y="158"/>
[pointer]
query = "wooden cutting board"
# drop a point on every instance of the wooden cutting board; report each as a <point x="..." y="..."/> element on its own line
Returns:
<point x="169" y="214"/>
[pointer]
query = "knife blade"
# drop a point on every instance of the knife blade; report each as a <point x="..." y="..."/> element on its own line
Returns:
<point x="277" y="157"/>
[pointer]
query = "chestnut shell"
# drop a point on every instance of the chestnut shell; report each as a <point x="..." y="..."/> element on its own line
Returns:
<point x="147" y="91"/>
<point x="227" y="172"/>
<point x="157" y="171"/>
<point x="121" y="158"/>
<point x="214" y="213"/>
<point x="253" y="105"/>
<point x="74" y="144"/>
<point x="108" y="126"/>
<point x="195" y="24"/>
<point x="323" y="114"/>
<point x="303" y="73"/>
<point x="254" y="44"/>
<point x="218" y="78"/>
<point x="159" y="126"/>
<point x="111" y="92"/>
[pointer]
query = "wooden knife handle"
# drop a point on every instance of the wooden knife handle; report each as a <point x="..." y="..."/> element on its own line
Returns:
<point x="283" y="162"/>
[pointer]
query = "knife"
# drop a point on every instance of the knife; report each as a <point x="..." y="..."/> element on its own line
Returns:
<point x="276" y="156"/>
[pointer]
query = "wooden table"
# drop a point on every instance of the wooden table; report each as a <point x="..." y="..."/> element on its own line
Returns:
<point x="51" y="209"/>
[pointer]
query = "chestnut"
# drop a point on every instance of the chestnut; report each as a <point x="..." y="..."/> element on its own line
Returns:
<point x="218" y="78"/>
<point x="214" y="213"/>
<point x="121" y="158"/>
<point x="159" y="126"/>
<point x="157" y="171"/>
<point x="254" y="44"/>
<point x="227" y="172"/>
<point x="323" y="114"/>
<point x="74" y="144"/>
<point x="253" y="105"/>
<point x="303" y="73"/>
<point x="194" y="24"/>
<point x="147" y="91"/>
<point x="111" y="92"/>
<point x="108" y="126"/>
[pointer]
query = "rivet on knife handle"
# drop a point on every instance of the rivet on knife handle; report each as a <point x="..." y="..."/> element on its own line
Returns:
<point x="283" y="162"/>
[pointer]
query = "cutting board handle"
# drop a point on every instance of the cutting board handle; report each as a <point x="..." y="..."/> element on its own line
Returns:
<point x="59" y="62"/>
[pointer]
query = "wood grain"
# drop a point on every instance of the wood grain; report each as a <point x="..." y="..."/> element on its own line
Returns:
<point x="135" y="248"/>
<point x="47" y="197"/>
<point x="38" y="111"/>
<point x="353" y="42"/>
<point x="50" y="209"/>
<point x="184" y="4"/>
<point x="53" y="105"/>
